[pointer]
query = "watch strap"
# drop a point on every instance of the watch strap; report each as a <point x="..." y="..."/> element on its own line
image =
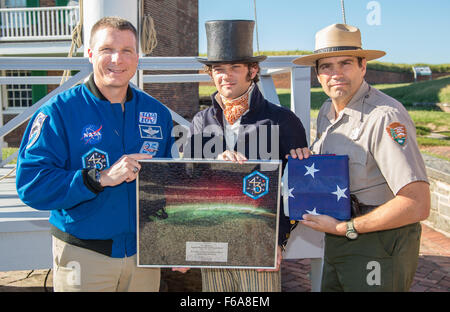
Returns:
<point x="90" y="180"/>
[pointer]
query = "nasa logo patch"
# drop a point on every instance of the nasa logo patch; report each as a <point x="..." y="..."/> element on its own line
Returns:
<point x="148" y="118"/>
<point x="95" y="159"/>
<point x="151" y="132"/>
<point x="150" y="148"/>
<point x="36" y="129"/>
<point x="91" y="134"/>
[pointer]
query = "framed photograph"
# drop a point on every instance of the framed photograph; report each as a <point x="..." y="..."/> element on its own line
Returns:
<point x="201" y="213"/>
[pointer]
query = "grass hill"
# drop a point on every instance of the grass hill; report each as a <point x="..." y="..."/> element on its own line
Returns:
<point x="433" y="91"/>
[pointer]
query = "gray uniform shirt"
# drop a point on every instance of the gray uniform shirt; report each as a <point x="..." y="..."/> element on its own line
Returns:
<point x="379" y="137"/>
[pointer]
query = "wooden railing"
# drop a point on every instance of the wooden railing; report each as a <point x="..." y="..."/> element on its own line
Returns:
<point x="46" y="23"/>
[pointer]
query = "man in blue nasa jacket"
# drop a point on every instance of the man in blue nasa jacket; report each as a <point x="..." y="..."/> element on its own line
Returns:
<point x="79" y="159"/>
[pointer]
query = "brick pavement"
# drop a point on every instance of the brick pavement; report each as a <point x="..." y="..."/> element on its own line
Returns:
<point x="432" y="275"/>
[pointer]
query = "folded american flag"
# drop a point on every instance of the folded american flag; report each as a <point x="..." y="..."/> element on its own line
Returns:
<point x="319" y="185"/>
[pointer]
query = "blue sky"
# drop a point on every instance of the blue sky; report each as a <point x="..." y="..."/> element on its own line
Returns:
<point x="410" y="31"/>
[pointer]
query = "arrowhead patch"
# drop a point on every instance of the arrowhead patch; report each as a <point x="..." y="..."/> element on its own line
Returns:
<point x="397" y="132"/>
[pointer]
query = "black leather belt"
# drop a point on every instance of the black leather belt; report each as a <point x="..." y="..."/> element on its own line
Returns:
<point x="98" y="245"/>
<point x="359" y="209"/>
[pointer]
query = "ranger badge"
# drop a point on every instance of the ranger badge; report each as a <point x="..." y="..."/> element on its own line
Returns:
<point x="397" y="132"/>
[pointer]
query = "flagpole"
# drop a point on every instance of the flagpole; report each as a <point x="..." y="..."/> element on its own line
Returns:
<point x="343" y="12"/>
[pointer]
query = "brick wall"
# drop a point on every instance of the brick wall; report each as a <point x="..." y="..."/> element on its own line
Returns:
<point x="176" y="25"/>
<point x="13" y="138"/>
<point x="47" y="3"/>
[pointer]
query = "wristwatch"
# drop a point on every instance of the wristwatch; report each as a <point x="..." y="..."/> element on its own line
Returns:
<point x="351" y="232"/>
<point x="97" y="176"/>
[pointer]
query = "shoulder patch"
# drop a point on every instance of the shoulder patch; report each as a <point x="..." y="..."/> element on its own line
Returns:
<point x="397" y="132"/>
<point x="36" y="129"/>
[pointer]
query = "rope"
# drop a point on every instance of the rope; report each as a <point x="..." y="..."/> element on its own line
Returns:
<point x="9" y="174"/>
<point x="343" y="12"/>
<point x="77" y="41"/>
<point x="256" y="28"/>
<point x="45" y="280"/>
<point x="148" y="33"/>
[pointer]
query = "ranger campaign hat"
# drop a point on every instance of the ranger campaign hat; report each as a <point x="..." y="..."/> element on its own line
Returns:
<point x="230" y="41"/>
<point x="338" y="40"/>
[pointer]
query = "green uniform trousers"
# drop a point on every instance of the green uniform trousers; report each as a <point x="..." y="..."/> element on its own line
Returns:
<point x="377" y="261"/>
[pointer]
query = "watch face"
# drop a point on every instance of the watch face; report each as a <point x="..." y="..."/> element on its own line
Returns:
<point x="97" y="176"/>
<point x="352" y="235"/>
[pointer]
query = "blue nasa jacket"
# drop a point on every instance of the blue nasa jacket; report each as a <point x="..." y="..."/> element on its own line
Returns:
<point x="80" y="129"/>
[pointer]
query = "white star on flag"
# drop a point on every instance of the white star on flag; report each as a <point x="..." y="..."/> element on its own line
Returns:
<point x="340" y="193"/>
<point x="313" y="212"/>
<point x="290" y="193"/>
<point x="310" y="170"/>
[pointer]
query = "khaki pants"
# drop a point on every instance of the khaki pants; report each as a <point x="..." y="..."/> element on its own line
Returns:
<point x="240" y="280"/>
<point x="80" y="269"/>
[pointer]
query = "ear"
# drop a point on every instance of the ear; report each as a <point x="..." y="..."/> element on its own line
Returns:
<point x="90" y="55"/>
<point x="364" y="66"/>
<point x="253" y="71"/>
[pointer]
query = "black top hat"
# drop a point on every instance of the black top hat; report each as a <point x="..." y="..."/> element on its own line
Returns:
<point x="230" y="41"/>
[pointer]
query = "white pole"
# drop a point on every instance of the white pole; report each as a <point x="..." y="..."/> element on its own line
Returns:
<point x="301" y="104"/>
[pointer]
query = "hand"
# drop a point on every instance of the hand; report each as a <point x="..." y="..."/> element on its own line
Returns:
<point x="181" y="270"/>
<point x="325" y="224"/>
<point x="232" y="156"/>
<point x="301" y="152"/>
<point x="125" y="169"/>
<point x="279" y="258"/>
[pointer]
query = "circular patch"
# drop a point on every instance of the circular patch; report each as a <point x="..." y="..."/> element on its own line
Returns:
<point x="91" y="134"/>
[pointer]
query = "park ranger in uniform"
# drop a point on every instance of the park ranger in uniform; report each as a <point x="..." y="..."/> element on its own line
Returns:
<point x="377" y="250"/>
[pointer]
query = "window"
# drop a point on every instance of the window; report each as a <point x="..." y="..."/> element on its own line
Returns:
<point x="15" y="3"/>
<point x="18" y="95"/>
